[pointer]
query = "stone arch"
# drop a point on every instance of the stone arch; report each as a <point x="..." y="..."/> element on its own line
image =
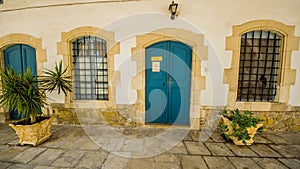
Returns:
<point x="64" y="49"/>
<point x="19" y="38"/>
<point x="200" y="52"/>
<point x="288" y="75"/>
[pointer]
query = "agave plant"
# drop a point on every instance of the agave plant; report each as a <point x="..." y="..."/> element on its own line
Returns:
<point x="26" y="93"/>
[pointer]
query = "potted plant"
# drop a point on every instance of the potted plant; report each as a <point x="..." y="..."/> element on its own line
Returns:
<point x="240" y="127"/>
<point x="27" y="94"/>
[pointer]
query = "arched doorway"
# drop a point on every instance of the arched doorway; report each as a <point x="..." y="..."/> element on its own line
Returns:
<point x="19" y="57"/>
<point x="168" y="83"/>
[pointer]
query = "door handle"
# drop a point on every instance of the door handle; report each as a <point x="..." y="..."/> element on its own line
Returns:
<point x="163" y="84"/>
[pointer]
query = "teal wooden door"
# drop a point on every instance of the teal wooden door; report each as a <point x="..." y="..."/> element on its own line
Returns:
<point x="168" y="79"/>
<point x="19" y="57"/>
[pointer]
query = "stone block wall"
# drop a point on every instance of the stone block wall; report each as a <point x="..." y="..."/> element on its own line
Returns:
<point x="123" y="115"/>
<point x="288" y="120"/>
<point x="280" y="120"/>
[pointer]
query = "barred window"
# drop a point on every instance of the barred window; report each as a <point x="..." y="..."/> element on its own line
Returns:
<point x="90" y="68"/>
<point x="259" y="68"/>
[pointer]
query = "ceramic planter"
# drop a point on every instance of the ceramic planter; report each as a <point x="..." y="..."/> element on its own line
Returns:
<point x="33" y="134"/>
<point x="251" y="131"/>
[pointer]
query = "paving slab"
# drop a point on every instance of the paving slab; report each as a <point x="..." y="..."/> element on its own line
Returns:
<point x="188" y="138"/>
<point x="8" y="134"/>
<point x="10" y="152"/>
<point x="175" y="134"/>
<point x="241" y="150"/>
<point x="4" y="165"/>
<point x="243" y="163"/>
<point x="167" y="158"/>
<point x="195" y="135"/>
<point x="113" y="161"/>
<point x="84" y="144"/>
<point x="276" y="139"/>
<point x="69" y="159"/>
<point x="152" y="147"/>
<point x="217" y="137"/>
<point x="218" y="162"/>
<point x="149" y="132"/>
<point x="166" y="165"/>
<point x="205" y="136"/>
<point x="289" y="151"/>
<point x="130" y="132"/>
<point x="167" y="161"/>
<point x="92" y="159"/>
<point x="55" y="141"/>
<point x="14" y="143"/>
<point x="264" y="150"/>
<point x="291" y="163"/>
<point x="290" y="136"/>
<point x="47" y="157"/>
<point x="20" y="166"/>
<point x="27" y="155"/>
<point x="113" y="144"/>
<point x="138" y="163"/>
<point x="192" y="162"/>
<point x="196" y="148"/>
<point x="3" y="147"/>
<point x="133" y="145"/>
<point x="70" y="147"/>
<point x="44" y="167"/>
<point x="219" y="149"/>
<point x="178" y="149"/>
<point x="260" y="139"/>
<point x="271" y="163"/>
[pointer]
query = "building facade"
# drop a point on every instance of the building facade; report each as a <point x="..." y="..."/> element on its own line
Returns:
<point x="131" y="63"/>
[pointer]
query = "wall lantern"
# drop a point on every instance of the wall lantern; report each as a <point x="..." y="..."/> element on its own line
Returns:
<point x="173" y="9"/>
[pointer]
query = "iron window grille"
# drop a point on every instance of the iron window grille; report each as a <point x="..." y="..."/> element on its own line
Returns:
<point x="90" y="68"/>
<point x="259" y="68"/>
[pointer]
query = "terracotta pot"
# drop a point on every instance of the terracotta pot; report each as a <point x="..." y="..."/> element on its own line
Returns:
<point x="33" y="134"/>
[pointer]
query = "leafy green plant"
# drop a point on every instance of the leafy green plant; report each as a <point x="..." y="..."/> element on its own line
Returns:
<point x="240" y="122"/>
<point x="27" y="93"/>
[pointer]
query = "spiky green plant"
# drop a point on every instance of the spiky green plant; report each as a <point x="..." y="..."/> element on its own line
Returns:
<point x="240" y="123"/>
<point x="56" y="80"/>
<point x="26" y="92"/>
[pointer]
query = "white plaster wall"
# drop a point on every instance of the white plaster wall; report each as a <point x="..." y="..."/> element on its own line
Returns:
<point x="213" y="18"/>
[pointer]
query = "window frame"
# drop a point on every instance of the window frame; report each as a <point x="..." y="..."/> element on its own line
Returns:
<point x="64" y="48"/>
<point x="288" y="75"/>
<point x="277" y="75"/>
<point x="88" y="54"/>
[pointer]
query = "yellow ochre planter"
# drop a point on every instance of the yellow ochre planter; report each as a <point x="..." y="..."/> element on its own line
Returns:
<point x="33" y="134"/>
<point x="251" y="131"/>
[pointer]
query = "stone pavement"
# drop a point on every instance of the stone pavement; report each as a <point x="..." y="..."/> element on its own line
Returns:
<point x="154" y="148"/>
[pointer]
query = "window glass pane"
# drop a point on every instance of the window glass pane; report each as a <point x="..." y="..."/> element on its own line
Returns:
<point x="90" y="68"/>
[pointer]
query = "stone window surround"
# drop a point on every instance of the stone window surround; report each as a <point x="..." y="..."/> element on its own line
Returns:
<point x="64" y="48"/>
<point x="288" y="75"/>
<point x="198" y="82"/>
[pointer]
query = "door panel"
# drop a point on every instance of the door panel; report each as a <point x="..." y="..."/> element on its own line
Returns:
<point x="19" y="57"/>
<point x="156" y="89"/>
<point x="173" y="80"/>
